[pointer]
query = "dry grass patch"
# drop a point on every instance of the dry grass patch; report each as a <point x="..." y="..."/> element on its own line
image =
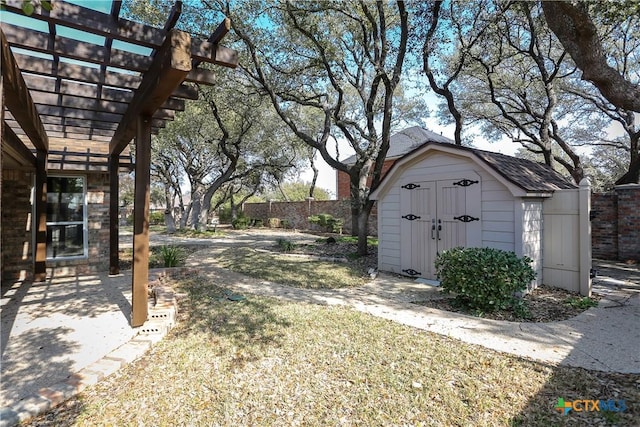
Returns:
<point x="297" y="272"/>
<point x="269" y="363"/>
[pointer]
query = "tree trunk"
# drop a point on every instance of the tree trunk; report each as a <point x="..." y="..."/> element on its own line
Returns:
<point x="196" y="209"/>
<point x="169" y="221"/>
<point x="234" y="209"/>
<point x="184" y="218"/>
<point x="312" y="187"/>
<point x="363" y="228"/>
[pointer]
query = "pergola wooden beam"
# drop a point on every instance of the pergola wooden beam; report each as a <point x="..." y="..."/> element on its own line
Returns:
<point x="18" y="100"/>
<point x="92" y="104"/>
<point x="74" y="49"/>
<point x="64" y="70"/>
<point x="82" y="18"/>
<point x="171" y="65"/>
<point x="16" y="145"/>
<point x="204" y="51"/>
<point x="85" y="19"/>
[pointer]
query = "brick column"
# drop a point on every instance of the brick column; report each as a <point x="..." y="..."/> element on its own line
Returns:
<point x="604" y="225"/>
<point x="628" y="222"/>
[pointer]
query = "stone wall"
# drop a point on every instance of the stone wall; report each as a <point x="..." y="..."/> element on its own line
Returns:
<point x="17" y="261"/>
<point x="615" y="224"/>
<point x="296" y="214"/>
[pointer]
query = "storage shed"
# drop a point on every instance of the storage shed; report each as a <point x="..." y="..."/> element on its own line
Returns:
<point x="440" y="196"/>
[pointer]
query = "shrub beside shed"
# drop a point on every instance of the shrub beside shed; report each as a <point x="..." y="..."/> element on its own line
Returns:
<point x="440" y="196"/>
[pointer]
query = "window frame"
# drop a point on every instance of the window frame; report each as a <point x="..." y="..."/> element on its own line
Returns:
<point x="84" y="222"/>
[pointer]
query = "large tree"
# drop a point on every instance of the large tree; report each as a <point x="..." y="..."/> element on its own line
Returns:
<point x="230" y="134"/>
<point x="343" y="60"/>
<point x="573" y="25"/>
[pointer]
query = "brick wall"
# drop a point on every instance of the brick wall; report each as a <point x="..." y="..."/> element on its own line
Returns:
<point x="615" y="224"/>
<point x="343" y="184"/>
<point x="296" y="213"/>
<point x="98" y="226"/>
<point x="17" y="251"/>
<point x="17" y="261"/>
<point x="604" y="225"/>
<point x="628" y="222"/>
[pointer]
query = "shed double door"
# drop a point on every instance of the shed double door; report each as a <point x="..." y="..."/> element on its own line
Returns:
<point x="431" y="222"/>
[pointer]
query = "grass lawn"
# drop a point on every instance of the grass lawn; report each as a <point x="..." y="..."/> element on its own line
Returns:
<point x="298" y="272"/>
<point x="265" y="362"/>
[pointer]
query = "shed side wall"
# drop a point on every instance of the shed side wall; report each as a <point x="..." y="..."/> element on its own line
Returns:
<point x="561" y="254"/>
<point x="532" y="226"/>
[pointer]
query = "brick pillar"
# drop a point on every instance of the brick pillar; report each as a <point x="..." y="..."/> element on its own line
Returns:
<point x="628" y="222"/>
<point x="604" y="225"/>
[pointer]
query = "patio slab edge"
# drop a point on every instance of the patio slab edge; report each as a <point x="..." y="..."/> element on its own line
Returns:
<point x="161" y="320"/>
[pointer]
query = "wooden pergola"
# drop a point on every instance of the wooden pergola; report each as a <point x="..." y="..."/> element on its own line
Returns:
<point x="56" y="89"/>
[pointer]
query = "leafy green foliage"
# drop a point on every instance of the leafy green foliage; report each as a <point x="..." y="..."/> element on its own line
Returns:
<point x="156" y="218"/>
<point x="582" y="302"/>
<point x="293" y="192"/>
<point x="240" y="223"/>
<point x="285" y="245"/>
<point x="172" y="256"/>
<point x="371" y="241"/>
<point x="484" y="279"/>
<point x="327" y="221"/>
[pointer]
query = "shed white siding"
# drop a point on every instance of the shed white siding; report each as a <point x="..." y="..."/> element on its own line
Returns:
<point x="497" y="206"/>
<point x="528" y="232"/>
<point x="532" y="211"/>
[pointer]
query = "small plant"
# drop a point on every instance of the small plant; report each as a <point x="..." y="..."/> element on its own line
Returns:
<point x="285" y="245"/>
<point x="484" y="279"/>
<point x="581" y="302"/>
<point x="240" y="223"/>
<point x="521" y="310"/>
<point x="328" y="222"/>
<point x="171" y="255"/>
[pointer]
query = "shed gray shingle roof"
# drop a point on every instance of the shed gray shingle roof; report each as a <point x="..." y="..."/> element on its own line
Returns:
<point x="407" y="140"/>
<point x="529" y="175"/>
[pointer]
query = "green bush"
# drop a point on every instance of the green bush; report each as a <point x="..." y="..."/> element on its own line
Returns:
<point x="171" y="255"/>
<point x="285" y="245"/>
<point x="484" y="279"/>
<point x="328" y="222"/>
<point x="156" y="218"/>
<point x="240" y="223"/>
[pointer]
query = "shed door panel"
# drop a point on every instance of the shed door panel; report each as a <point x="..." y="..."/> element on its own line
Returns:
<point x="418" y="243"/>
<point x="452" y="203"/>
<point x="431" y="212"/>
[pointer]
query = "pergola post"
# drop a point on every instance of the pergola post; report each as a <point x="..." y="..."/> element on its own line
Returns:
<point x="40" y="215"/>
<point x="140" y="280"/>
<point x="114" y="215"/>
<point x="1" y="179"/>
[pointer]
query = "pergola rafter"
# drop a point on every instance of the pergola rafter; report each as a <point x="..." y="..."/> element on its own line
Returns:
<point x="88" y="92"/>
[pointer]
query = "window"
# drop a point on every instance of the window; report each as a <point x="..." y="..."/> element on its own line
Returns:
<point x="66" y="217"/>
